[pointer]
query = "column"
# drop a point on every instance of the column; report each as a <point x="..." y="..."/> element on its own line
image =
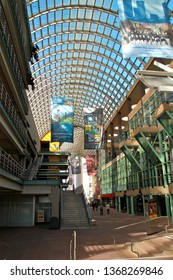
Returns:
<point x="112" y="141"/>
<point x="106" y="146"/>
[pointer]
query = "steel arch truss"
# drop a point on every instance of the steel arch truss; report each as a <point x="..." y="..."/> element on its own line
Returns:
<point x="79" y="56"/>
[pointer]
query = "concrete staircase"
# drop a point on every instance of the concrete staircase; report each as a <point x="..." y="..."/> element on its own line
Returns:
<point x="160" y="246"/>
<point x="74" y="214"/>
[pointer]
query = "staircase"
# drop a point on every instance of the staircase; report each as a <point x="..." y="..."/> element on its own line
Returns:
<point x="160" y="246"/>
<point x="74" y="213"/>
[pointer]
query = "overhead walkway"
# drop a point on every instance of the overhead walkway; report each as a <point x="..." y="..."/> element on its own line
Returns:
<point x="164" y="115"/>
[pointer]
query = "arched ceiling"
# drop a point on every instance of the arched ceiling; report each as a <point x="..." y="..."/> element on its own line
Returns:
<point x="79" y="56"/>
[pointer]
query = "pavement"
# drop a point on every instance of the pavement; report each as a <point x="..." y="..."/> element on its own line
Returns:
<point x="112" y="236"/>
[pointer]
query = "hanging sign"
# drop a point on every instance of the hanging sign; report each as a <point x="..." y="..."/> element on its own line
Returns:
<point x="91" y="165"/>
<point x="93" y="131"/>
<point x="62" y="119"/>
<point x="145" y="28"/>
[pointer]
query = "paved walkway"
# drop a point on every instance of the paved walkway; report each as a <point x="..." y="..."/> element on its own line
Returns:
<point x="110" y="238"/>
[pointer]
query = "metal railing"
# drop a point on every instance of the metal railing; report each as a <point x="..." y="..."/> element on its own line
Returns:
<point x="17" y="17"/>
<point x="146" y="114"/>
<point x="61" y="207"/>
<point x="81" y="190"/>
<point x="33" y="168"/>
<point x="158" y="228"/>
<point x="8" y="164"/>
<point x="11" y="112"/>
<point x="10" y="51"/>
<point x="157" y="224"/>
<point x="3" y="250"/>
<point x="73" y="246"/>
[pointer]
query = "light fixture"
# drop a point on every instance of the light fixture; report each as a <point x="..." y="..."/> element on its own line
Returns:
<point x="125" y="119"/>
<point x="117" y="127"/>
<point x="115" y="134"/>
<point x="89" y="110"/>
<point x="146" y="90"/>
<point x="133" y="106"/>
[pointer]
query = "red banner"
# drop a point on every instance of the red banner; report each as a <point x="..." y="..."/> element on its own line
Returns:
<point x="90" y="164"/>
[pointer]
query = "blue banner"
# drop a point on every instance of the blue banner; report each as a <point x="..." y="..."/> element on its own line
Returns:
<point x="93" y="132"/>
<point x="62" y="119"/>
<point x="145" y="28"/>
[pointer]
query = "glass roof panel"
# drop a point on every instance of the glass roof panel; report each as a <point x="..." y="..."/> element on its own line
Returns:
<point x="79" y="56"/>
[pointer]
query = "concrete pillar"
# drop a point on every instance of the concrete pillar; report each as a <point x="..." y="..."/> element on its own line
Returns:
<point x="119" y="126"/>
<point x="132" y="205"/>
<point x="112" y="142"/>
<point x="128" y="204"/>
<point x="118" y="204"/>
<point x="171" y="206"/>
<point x="55" y="199"/>
<point x="106" y="146"/>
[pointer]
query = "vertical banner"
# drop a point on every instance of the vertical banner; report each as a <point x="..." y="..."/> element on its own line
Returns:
<point x="93" y="131"/>
<point x="151" y="209"/>
<point x="75" y="162"/>
<point x="145" y="28"/>
<point x="91" y="165"/>
<point x="62" y="119"/>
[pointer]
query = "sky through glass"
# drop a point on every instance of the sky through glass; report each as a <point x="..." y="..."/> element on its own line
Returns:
<point x="79" y="56"/>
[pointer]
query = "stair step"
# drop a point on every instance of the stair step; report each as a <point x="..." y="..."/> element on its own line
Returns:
<point x="74" y="211"/>
<point x="149" y="247"/>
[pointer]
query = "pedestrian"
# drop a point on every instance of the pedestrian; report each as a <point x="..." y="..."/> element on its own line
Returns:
<point x="101" y="209"/>
<point x="108" y="208"/>
<point x="96" y="205"/>
<point x="35" y="52"/>
<point x="93" y="205"/>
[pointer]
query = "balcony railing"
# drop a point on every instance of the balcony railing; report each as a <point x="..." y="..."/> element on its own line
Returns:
<point x="17" y="17"/>
<point x="8" y="43"/>
<point x="146" y="114"/>
<point x="11" y="112"/>
<point x="8" y="164"/>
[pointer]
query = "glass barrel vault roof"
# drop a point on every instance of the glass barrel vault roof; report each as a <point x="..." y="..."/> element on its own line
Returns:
<point x="79" y="56"/>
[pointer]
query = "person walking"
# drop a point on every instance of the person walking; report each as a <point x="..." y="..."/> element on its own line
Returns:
<point x="93" y="205"/>
<point x="101" y="209"/>
<point x="96" y="205"/>
<point x="108" y="208"/>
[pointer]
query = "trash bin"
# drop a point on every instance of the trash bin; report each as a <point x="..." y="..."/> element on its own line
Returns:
<point x="54" y="223"/>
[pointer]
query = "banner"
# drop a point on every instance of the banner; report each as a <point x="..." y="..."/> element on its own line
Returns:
<point x="75" y="162"/>
<point x="62" y="119"/>
<point x="91" y="165"/>
<point x="151" y="209"/>
<point x="145" y="28"/>
<point x="93" y="132"/>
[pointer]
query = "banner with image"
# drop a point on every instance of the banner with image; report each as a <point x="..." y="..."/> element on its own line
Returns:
<point x="91" y="165"/>
<point x="93" y="131"/>
<point x="145" y="28"/>
<point x="75" y="162"/>
<point x="62" y="119"/>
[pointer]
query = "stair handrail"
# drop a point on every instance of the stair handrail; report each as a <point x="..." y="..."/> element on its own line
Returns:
<point x="61" y="206"/>
<point x="34" y="166"/>
<point x="133" y="241"/>
<point x="5" y="247"/>
<point x="86" y="205"/>
<point x="73" y="246"/>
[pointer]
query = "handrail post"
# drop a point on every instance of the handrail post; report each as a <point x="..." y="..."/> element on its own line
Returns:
<point x="71" y="249"/>
<point x="74" y="235"/>
<point x="73" y="246"/>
